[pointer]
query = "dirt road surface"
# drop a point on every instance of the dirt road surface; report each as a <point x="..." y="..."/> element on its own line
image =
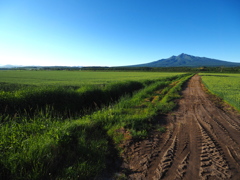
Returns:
<point x="201" y="142"/>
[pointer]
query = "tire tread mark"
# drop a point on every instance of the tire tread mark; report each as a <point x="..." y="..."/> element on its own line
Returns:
<point x="166" y="161"/>
<point x="182" y="168"/>
<point x="213" y="162"/>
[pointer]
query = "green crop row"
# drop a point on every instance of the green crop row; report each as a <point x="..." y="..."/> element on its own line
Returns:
<point x="226" y="86"/>
<point x="63" y="101"/>
<point x="66" y="102"/>
<point x="46" y="147"/>
<point x="15" y="79"/>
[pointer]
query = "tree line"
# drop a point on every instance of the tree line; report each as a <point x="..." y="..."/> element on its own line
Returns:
<point x="220" y="69"/>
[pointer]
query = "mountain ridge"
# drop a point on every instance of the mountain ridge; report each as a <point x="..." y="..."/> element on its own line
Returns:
<point x="186" y="60"/>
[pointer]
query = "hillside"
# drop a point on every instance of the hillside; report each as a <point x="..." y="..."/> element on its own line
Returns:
<point x="185" y="60"/>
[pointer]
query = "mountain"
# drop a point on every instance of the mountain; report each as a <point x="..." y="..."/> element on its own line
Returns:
<point x="185" y="60"/>
<point x="9" y="66"/>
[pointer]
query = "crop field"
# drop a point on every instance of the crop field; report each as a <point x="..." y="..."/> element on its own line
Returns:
<point x="55" y="126"/>
<point x="75" y="78"/>
<point x="226" y="86"/>
<point x="61" y="132"/>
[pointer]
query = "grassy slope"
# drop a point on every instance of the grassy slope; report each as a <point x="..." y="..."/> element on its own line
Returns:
<point x="226" y="86"/>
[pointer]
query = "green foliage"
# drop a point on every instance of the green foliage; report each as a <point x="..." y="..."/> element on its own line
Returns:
<point x="161" y="129"/>
<point x="64" y="101"/>
<point x="75" y="146"/>
<point x="48" y="146"/>
<point x="9" y="87"/>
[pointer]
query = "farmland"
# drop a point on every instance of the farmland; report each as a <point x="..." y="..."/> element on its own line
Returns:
<point x="226" y="86"/>
<point x="77" y="125"/>
<point x="66" y="132"/>
<point x="75" y="78"/>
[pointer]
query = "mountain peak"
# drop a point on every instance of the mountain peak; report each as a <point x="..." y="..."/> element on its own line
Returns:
<point x="185" y="60"/>
<point x="183" y="55"/>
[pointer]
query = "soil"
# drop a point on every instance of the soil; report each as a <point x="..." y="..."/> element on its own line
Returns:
<point x="202" y="141"/>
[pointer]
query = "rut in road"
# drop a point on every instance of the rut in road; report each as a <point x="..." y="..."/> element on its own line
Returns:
<point x="202" y="142"/>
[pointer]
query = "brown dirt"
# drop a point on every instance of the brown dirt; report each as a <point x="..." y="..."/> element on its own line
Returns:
<point x="202" y="141"/>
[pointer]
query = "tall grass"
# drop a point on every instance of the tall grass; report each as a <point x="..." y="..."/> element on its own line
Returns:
<point x="48" y="147"/>
<point x="65" y="102"/>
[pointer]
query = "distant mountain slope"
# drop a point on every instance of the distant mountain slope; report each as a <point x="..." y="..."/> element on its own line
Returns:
<point x="9" y="66"/>
<point x="185" y="60"/>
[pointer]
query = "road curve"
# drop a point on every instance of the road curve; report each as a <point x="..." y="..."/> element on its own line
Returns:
<point x="202" y="142"/>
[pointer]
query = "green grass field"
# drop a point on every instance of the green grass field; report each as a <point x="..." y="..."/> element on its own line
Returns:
<point x="42" y="139"/>
<point x="75" y="78"/>
<point x="226" y="86"/>
<point x="37" y="142"/>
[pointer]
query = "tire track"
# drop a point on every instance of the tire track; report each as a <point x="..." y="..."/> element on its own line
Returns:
<point x="202" y="142"/>
<point x="222" y="132"/>
<point x="213" y="162"/>
<point x="182" y="168"/>
<point x="166" y="161"/>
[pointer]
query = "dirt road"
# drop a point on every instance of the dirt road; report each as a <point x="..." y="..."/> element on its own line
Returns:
<point x="201" y="142"/>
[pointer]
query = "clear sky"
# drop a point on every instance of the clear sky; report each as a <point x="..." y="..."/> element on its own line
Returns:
<point x="116" y="32"/>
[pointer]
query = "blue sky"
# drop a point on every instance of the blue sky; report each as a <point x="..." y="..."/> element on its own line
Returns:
<point x="116" y="32"/>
